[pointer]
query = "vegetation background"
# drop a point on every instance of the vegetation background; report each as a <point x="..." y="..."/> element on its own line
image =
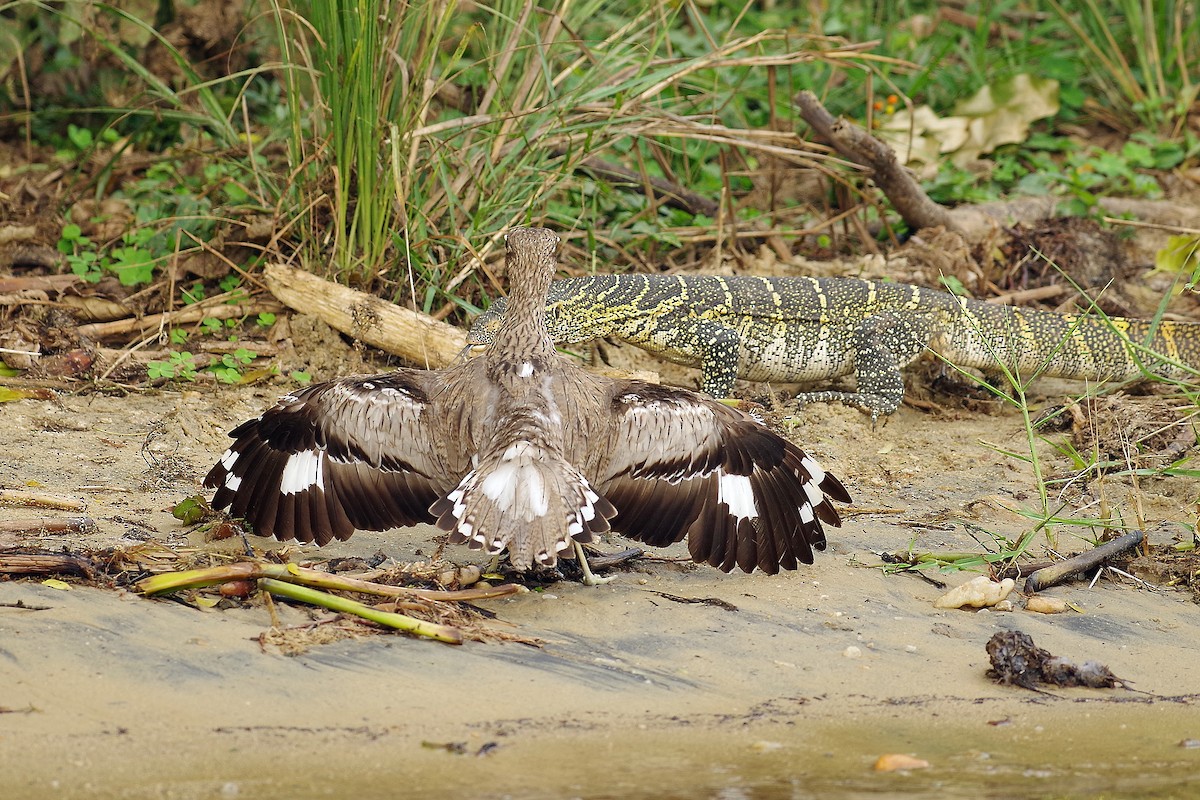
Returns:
<point x="178" y="145"/>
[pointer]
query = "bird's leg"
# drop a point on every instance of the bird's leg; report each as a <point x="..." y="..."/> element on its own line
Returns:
<point x="589" y="579"/>
<point x="493" y="565"/>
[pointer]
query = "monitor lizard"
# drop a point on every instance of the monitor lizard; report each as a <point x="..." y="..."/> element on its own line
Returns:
<point x="804" y="329"/>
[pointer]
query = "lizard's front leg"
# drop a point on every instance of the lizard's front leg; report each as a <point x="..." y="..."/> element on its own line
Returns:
<point x="697" y="342"/>
<point x="721" y="353"/>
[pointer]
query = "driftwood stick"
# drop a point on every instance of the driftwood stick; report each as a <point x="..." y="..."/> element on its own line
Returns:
<point x="184" y="316"/>
<point x="1050" y="576"/>
<point x="16" y="497"/>
<point x="72" y="525"/>
<point x="44" y="563"/>
<point x="417" y="338"/>
<point x="1015" y="571"/>
<point x="859" y="146"/>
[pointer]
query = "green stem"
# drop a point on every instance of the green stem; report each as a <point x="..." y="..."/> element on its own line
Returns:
<point x="442" y="633"/>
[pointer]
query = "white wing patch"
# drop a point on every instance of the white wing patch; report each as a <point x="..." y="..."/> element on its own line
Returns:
<point x="302" y="471"/>
<point x="814" y="469"/>
<point x="736" y="491"/>
<point x="228" y="459"/>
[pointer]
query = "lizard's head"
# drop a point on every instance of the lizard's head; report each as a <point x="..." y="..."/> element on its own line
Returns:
<point x="563" y="323"/>
<point x="483" y="330"/>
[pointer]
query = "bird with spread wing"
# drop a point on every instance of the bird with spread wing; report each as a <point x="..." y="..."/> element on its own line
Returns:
<point x="522" y="450"/>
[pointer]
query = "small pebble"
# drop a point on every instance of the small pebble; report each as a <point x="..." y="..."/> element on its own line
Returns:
<point x="1190" y="744"/>
<point x="852" y="652"/>
<point x="1046" y="605"/>
<point x="979" y="592"/>
<point x="468" y="575"/>
<point x="891" y="762"/>
<point x="910" y="648"/>
<point x="237" y="588"/>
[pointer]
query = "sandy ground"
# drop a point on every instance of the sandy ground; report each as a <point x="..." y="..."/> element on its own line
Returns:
<point x="793" y="694"/>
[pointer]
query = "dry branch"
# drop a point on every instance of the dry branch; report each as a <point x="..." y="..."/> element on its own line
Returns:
<point x="1083" y="562"/>
<point x="859" y="146"/>
<point x="412" y="336"/>
<point x="15" y="497"/>
<point x="184" y="316"/>
<point x="42" y="526"/>
<point x="44" y="563"/>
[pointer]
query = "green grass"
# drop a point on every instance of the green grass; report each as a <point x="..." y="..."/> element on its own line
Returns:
<point x="412" y="134"/>
<point x="487" y="128"/>
<point x="1143" y="56"/>
<point x="1053" y="514"/>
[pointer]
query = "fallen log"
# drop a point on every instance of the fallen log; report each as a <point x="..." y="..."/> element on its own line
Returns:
<point x="417" y="338"/>
<point x="44" y="563"/>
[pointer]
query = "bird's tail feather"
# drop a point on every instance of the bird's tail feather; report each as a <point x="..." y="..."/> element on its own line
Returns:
<point x="525" y="497"/>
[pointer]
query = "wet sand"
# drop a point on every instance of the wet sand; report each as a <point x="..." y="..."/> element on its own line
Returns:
<point x="793" y="694"/>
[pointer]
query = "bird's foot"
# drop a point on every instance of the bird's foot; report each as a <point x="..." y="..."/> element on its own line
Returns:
<point x="589" y="577"/>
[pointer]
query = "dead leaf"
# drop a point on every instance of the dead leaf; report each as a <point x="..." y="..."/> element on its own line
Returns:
<point x="996" y="115"/>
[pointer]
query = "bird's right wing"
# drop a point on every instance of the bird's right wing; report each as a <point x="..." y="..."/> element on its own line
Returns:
<point x="358" y="453"/>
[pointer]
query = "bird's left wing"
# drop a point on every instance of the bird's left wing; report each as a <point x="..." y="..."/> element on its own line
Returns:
<point x="679" y="464"/>
<point x="352" y="454"/>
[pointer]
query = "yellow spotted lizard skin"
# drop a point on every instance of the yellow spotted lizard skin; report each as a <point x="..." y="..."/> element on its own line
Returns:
<point x="800" y="329"/>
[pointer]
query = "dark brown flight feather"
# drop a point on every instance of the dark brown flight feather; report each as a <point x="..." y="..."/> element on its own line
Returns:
<point x="520" y="449"/>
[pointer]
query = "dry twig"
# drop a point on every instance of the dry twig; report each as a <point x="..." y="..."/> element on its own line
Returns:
<point x="859" y="146"/>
